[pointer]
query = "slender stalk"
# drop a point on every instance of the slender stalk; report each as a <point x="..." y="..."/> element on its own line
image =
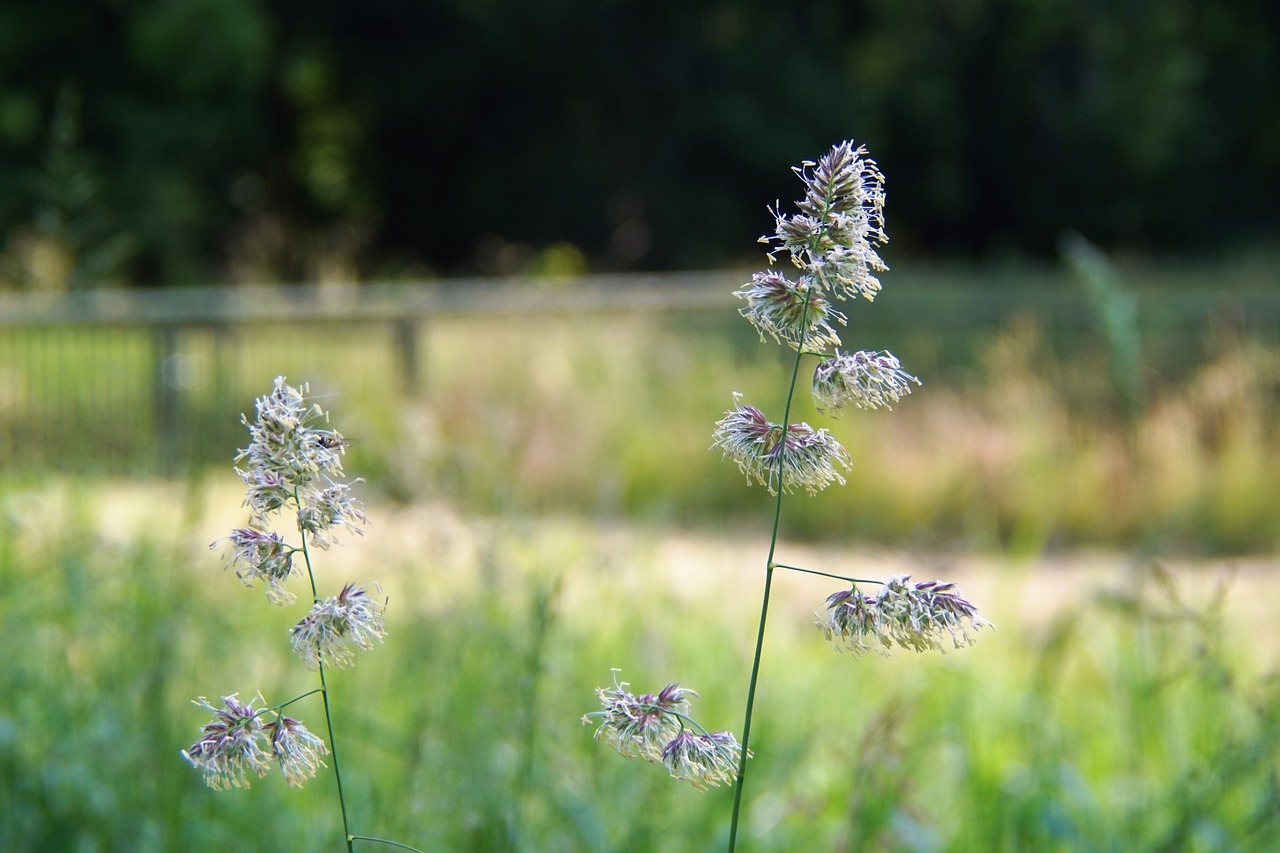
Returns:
<point x="825" y="574"/>
<point x="352" y="838"/>
<point x="324" y="693"/>
<point x="764" y="603"/>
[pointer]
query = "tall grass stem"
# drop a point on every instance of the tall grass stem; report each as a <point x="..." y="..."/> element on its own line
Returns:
<point x="324" y="693"/>
<point x="764" y="603"/>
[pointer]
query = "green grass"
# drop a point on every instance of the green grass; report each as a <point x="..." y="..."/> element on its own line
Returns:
<point x="1117" y="707"/>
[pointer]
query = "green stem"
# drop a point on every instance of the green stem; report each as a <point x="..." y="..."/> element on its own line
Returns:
<point x="351" y="838"/>
<point x="825" y="574"/>
<point x="764" y="603"/>
<point x="284" y="705"/>
<point x="324" y="692"/>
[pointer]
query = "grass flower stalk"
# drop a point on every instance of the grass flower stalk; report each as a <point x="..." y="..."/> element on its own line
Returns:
<point x="833" y="240"/>
<point x="293" y="464"/>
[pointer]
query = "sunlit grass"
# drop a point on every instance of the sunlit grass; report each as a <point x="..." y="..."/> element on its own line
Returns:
<point x="1112" y="709"/>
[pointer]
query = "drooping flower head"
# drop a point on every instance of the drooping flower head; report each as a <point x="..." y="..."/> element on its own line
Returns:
<point x="867" y="380"/>
<point x="796" y="313"/>
<point x="640" y="726"/>
<point x="705" y="760"/>
<point x="336" y="627"/>
<point x="264" y="556"/>
<point x="656" y="727"/>
<point x="774" y="457"/>
<point x="296" y="748"/>
<point x="915" y="616"/>
<point x="324" y="510"/>
<point x="238" y="742"/>
<point x="231" y="746"/>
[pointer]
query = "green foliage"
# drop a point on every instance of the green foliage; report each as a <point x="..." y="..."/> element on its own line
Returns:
<point x="1140" y="716"/>
<point x="237" y="139"/>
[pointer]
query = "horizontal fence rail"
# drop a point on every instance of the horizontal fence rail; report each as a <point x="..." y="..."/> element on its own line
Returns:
<point x="124" y="381"/>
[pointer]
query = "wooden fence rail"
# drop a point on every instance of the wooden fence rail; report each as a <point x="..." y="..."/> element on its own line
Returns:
<point x="88" y="377"/>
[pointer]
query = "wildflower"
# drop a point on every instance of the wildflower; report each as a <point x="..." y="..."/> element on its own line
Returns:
<point x="841" y="221"/>
<point x="296" y="748"/>
<point x="232" y="744"/>
<point x="264" y="556"/>
<point x="792" y="311"/>
<point x="640" y="726"/>
<point x="328" y="635"/>
<point x="776" y="457"/>
<point x="286" y="451"/>
<point x="868" y="380"/>
<point x="321" y="510"/>
<point x="911" y="615"/>
<point x="704" y="761"/>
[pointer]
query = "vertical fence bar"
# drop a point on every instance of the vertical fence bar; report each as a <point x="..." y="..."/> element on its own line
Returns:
<point x="406" y="345"/>
<point x="164" y="396"/>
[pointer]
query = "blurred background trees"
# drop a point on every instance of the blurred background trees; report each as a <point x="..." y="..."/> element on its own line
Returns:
<point x="228" y="140"/>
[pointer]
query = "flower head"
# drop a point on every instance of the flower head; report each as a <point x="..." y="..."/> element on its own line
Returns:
<point x="322" y="510"/>
<point x="776" y="457"/>
<point x="259" y="555"/>
<point x="335" y="627"/>
<point x="868" y="380"/>
<point x="640" y="726"/>
<point x="286" y="450"/>
<point x="231" y="746"/>
<point x="914" y="616"/>
<point x="704" y="761"/>
<point x="296" y="748"/>
<point x="794" y="312"/>
<point x="840" y="223"/>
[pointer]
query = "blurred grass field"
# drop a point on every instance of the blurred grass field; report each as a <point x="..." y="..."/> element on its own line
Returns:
<point x="545" y="507"/>
<point x="1120" y="705"/>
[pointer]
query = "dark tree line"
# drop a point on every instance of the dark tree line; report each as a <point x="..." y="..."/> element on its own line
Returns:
<point x="163" y="141"/>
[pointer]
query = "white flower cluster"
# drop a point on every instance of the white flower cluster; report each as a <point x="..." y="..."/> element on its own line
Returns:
<point x="291" y="463"/>
<point x="832" y="239"/>
<point x="915" y="616"/>
<point x="656" y="728"/>
<point x="237" y="741"/>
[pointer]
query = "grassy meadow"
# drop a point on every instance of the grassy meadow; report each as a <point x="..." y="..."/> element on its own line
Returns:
<point x="546" y="508"/>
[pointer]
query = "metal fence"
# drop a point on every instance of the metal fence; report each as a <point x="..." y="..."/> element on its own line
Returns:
<point x="129" y="382"/>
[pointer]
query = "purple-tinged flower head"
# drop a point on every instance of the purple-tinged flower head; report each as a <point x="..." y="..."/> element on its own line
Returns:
<point x="259" y="555"/>
<point x="776" y="457"/>
<point x="792" y="312"/>
<point x="322" y="510"/>
<point x="704" y="761"/>
<point x="851" y="621"/>
<point x="296" y="748"/>
<point x="231" y="746"/>
<point x="336" y="627"/>
<point x="914" y="616"/>
<point x="286" y="450"/>
<point x="640" y="726"/>
<point x="840" y="223"/>
<point x="867" y="380"/>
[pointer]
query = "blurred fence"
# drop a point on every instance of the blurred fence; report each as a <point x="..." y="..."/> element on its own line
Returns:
<point x="137" y="382"/>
